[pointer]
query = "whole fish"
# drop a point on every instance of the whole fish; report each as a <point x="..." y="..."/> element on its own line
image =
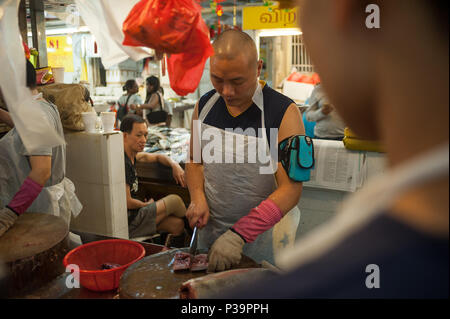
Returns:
<point x="213" y="284"/>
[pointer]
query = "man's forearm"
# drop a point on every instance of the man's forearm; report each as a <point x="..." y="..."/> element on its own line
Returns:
<point x="166" y="160"/>
<point x="268" y="213"/>
<point x="287" y="196"/>
<point x="195" y="180"/>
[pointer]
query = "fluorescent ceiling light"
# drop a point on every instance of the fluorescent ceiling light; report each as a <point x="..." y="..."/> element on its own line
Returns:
<point x="64" y="31"/>
<point x="279" y="32"/>
<point x="84" y="28"/>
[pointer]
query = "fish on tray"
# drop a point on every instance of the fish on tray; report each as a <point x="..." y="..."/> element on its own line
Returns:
<point x="185" y="261"/>
<point x="199" y="262"/>
<point x="182" y="261"/>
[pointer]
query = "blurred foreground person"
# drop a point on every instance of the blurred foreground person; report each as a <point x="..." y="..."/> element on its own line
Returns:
<point x="390" y="239"/>
<point x="35" y="181"/>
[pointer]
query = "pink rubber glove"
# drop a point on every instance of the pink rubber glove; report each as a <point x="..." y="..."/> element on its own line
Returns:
<point x="260" y="219"/>
<point x="25" y="196"/>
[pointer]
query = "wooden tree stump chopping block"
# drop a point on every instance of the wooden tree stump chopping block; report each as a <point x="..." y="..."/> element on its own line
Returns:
<point x="32" y="251"/>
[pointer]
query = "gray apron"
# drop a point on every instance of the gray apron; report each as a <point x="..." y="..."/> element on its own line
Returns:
<point x="59" y="199"/>
<point x="233" y="189"/>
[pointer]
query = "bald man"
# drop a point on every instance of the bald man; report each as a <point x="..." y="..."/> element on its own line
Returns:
<point x="234" y="201"/>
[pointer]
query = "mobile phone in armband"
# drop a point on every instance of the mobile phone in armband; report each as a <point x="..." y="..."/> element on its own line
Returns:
<point x="296" y="154"/>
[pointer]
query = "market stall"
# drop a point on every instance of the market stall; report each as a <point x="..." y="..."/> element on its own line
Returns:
<point x="95" y="164"/>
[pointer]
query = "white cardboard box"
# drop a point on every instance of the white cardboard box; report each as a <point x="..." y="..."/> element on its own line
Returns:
<point x="95" y="164"/>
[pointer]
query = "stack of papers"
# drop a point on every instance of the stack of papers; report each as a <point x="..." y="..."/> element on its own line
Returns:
<point x="336" y="167"/>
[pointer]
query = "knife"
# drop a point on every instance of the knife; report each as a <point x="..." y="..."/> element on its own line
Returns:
<point x="193" y="244"/>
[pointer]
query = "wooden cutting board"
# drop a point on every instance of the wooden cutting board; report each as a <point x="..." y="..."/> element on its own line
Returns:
<point x="33" y="250"/>
<point x="153" y="278"/>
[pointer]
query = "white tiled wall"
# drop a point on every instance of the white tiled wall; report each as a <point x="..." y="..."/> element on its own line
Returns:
<point x="318" y="205"/>
<point x="95" y="164"/>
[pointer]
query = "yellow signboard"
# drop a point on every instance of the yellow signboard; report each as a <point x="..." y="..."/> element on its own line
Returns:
<point x="268" y="17"/>
<point x="59" y="52"/>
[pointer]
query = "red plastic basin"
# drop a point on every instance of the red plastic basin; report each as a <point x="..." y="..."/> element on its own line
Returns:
<point x="90" y="257"/>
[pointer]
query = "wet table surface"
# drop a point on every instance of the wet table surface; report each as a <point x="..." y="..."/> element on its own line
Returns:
<point x="153" y="277"/>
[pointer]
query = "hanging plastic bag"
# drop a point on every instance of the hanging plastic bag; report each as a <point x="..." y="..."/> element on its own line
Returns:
<point x="164" y="25"/>
<point x="185" y="72"/>
<point x="174" y="27"/>
<point x="104" y="19"/>
<point x="31" y="123"/>
<point x="186" y="69"/>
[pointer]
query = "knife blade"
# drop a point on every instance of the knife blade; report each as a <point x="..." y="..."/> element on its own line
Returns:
<point x="193" y="244"/>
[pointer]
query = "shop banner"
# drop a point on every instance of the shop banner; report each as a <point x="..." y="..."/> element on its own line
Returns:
<point x="268" y="17"/>
<point x="59" y="52"/>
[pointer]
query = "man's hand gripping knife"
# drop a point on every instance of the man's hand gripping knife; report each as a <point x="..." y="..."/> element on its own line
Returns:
<point x="19" y="204"/>
<point x="227" y="249"/>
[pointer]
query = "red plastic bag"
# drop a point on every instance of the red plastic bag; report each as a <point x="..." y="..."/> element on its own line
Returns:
<point x="176" y="28"/>
<point x="164" y="25"/>
<point x="186" y="69"/>
<point x="185" y="72"/>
